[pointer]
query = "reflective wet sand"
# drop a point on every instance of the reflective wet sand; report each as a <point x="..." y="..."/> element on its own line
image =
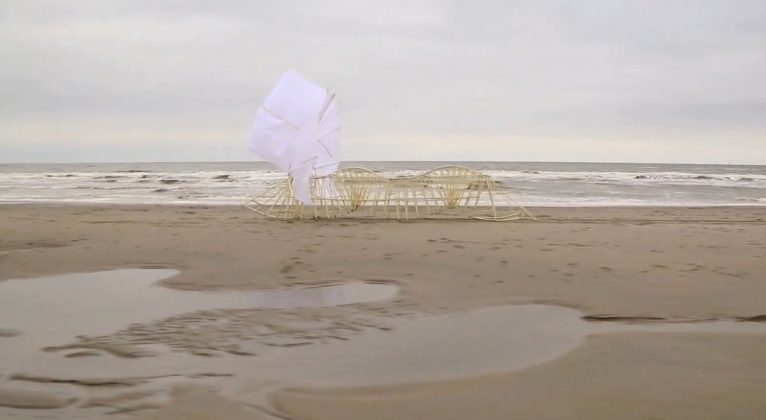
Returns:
<point x="93" y="380"/>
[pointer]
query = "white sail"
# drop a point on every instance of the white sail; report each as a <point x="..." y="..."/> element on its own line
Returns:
<point x="328" y="140"/>
<point x="297" y="129"/>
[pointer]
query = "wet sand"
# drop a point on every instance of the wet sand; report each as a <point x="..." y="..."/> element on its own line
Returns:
<point x="620" y="376"/>
<point x="646" y="265"/>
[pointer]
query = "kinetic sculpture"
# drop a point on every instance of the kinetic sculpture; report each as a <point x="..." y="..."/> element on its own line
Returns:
<point x="297" y="129"/>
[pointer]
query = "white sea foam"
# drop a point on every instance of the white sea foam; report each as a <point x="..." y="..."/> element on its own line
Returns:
<point x="545" y="184"/>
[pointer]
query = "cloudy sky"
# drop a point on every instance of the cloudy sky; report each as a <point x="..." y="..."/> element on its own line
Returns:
<point x="620" y="81"/>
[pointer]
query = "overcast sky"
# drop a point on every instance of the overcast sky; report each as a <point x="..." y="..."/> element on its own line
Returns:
<point x="620" y="81"/>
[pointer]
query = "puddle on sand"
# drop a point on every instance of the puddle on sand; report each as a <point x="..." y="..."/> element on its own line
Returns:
<point x="416" y="349"/>
<point x="55" y="309"/>
<point x="458" y="345"/>
<point x="51" y="311"/>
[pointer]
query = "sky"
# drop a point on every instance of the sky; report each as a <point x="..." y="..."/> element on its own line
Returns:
<point x="677" y="81"/>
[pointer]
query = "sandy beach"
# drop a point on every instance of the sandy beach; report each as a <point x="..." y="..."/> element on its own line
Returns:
<point x="645" y="266"/>
<point x="517" y="210"/>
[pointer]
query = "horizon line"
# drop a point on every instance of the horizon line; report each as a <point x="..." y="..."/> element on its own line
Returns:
<point x="397" y="161"/>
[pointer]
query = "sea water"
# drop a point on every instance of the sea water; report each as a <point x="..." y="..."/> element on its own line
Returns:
<point x="532" y="183"/>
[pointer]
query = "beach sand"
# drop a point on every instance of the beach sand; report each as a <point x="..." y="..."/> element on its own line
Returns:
<point x="657" y="265"/>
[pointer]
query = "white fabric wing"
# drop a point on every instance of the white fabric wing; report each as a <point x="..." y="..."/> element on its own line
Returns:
<point x="328" y="140"/>
<point x="272" y="139"/>
<point x="295" y="99"/>
<point x="303" y="160"/>
<point x="297" y="129"/>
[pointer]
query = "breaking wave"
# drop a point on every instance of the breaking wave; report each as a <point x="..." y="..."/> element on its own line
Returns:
<point x="553" y="184"/>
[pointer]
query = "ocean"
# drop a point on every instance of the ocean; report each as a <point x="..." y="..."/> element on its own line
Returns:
<point x="532" y="183"/>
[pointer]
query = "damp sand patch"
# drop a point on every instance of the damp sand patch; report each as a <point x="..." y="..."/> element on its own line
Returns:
<point x="48" y="312"/>
<point x="52" y="309"/>
<point x="256" y="342"/>
<point x="125" y="313"/>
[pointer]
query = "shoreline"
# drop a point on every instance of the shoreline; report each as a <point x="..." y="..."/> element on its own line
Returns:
<point x="530" y="207"/>
<point x="543" y="214"/>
